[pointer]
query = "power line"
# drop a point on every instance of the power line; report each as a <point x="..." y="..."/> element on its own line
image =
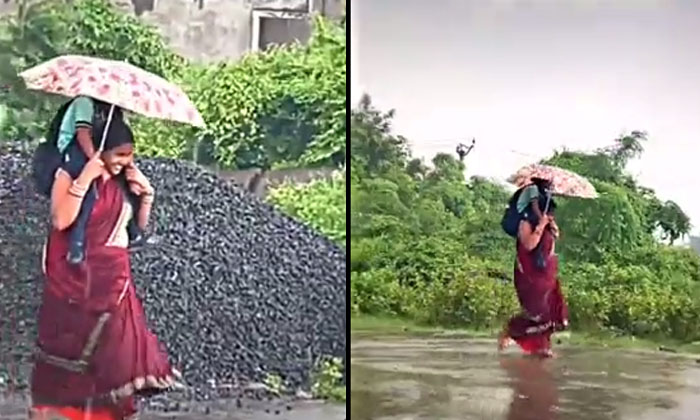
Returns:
<point x="439" y="141"/>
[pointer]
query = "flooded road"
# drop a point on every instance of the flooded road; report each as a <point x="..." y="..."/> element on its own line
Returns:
<point x="402" y="378"/>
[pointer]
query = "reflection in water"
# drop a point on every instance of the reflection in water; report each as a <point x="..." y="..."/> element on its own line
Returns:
<point x="535" y="394"/>
<point x="410" y="378"/>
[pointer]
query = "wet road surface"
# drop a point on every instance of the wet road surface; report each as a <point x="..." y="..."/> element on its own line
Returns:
<point x="402" y="378"/>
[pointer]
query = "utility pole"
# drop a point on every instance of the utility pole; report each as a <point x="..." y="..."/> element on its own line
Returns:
<point x="463" y="150"/>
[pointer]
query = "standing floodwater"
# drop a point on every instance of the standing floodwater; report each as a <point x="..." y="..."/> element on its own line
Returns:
<point x="400" y="377"/>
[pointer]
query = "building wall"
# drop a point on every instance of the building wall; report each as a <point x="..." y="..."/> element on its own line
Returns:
<point x="210" y="30"/>
<point x="259" y="183"/>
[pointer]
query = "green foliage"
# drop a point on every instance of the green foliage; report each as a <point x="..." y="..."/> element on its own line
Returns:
<point x="274" y="383"/>
<point x="321" y="204"/>
<point x="328" y="380"/>
<point x="427" y="244"/>
<point x="96" y="28"/>
<point x="632" y="299"/>
<point x="36" y="33"/>
<point x="477" y="296"/>
<point x="596" y="227"/>
<point x="374" y="148"/>
<point x="378" y="292"/>
<point x="282" y="107"/>
<point x="632" y="213"/>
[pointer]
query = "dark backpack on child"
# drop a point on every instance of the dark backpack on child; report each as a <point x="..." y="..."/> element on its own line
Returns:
<point x="47" y="159"/>
<point x="511" y="218"/>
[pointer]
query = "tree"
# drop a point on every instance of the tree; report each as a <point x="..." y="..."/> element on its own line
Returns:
<point x="373" y="146"/>
<point x="673" y="221"/>
<point x="447" y="168"/>
<point x="417" y="169"/>
<point x="628" y="147"/>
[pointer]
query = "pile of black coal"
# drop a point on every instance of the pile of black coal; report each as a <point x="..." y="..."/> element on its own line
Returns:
<point x="236" y="290"/>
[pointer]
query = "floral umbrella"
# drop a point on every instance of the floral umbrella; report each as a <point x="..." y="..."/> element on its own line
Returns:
<point x="115" y="82"/>
<point x="563" y="182"/>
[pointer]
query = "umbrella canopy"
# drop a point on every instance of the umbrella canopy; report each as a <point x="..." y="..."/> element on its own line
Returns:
<point x="115" y="82"/>
<point x="564" y="182"/>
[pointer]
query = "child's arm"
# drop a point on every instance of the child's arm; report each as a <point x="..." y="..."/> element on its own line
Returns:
<point x="84" y="110"/>
<point x="535" y="202"/>
<point x="84" y="136"/>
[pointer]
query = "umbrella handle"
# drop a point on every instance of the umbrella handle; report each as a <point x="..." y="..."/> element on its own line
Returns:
<point x="106" y="129"/>
<point x="549" y="198"/>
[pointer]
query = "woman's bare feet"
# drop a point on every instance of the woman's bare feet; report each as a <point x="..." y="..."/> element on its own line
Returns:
<point x="546" y="354"/>
<point x="504" y="341"/>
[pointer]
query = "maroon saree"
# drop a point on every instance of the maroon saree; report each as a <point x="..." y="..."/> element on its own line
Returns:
<point x="542" y="303"/>
<point x="94" y="348"/>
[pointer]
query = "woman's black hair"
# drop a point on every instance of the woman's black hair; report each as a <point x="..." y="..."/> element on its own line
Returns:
<point x="118" y="133"/>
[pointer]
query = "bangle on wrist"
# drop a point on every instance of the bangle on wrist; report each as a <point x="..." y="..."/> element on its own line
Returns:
<point x="77" y="190"/>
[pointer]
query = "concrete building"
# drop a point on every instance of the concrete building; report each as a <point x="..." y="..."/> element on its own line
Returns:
<point x="209" y="30"/>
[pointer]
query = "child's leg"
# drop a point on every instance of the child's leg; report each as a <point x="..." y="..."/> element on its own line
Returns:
<point x="74" y="164"/>
<point x="76" y="250"/>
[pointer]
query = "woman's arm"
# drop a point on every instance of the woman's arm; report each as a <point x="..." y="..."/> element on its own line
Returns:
<point x="555" y="228"/>
<point x="531" y="237"/>
<point x="139" y="185"/>
<point x="67" y="194"/>
<point x="144" y="213"/>
<point x="66" y="198"/>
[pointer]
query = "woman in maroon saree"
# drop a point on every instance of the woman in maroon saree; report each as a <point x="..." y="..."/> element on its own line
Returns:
<point x="94" y="351"/>
<point x="543" y="307"/>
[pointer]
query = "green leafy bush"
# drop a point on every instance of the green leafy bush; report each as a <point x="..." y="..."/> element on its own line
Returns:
<point x="281" y="106"/>
<point x="379" y="292"/>
<point x="328" y="380"/>
<point x="320" y="204"/>
<point x="472" y="298"/>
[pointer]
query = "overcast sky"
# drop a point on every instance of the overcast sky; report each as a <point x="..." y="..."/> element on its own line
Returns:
<point x="526" y="77"/>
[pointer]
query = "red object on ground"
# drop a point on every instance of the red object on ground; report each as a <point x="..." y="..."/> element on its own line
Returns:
<point x="71" y="413"/>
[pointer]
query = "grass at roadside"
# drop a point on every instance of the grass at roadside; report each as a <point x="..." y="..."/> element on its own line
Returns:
<point x="391" y="325"/>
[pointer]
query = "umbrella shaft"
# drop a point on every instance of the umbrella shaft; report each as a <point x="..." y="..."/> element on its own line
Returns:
<point x="106" y="129"/>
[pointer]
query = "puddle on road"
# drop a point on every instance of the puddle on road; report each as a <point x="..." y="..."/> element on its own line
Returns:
<point x="402" y="378"/>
